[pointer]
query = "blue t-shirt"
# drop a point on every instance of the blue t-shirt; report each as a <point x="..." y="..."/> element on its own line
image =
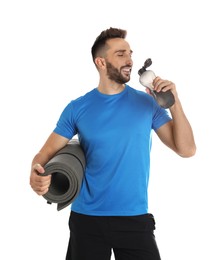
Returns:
<point x="115" y="134"/>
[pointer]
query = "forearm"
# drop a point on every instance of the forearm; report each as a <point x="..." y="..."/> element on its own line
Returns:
<point x="182" y="131"/>
<point x="53" y="144"/>
<point x="41" y="159"/>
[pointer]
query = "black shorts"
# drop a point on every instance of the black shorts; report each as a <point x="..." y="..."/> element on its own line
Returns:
<point x="94" y="238"/>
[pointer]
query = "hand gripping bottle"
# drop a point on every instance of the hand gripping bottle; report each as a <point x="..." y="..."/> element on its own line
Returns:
<point x="164" y="99"/>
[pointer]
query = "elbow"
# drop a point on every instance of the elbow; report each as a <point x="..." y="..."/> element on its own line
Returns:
<point x="190" y="152"/>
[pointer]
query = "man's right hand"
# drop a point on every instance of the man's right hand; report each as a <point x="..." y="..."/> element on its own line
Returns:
<point x="40" y="184"/>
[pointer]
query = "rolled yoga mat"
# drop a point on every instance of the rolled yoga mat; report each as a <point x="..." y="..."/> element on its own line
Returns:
<point x="67" y="170"/>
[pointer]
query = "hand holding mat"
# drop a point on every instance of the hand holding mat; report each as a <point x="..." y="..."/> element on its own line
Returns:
<point x="67" y="170"/>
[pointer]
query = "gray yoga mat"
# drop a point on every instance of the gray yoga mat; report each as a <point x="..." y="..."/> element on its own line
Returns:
<point x="67" y="170"/>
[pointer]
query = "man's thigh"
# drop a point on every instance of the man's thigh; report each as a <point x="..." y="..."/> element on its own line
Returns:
<point x="133" y="238"/>
<point x="87" y="241"/>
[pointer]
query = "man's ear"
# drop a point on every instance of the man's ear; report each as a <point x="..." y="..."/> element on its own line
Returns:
<point x="100" y="62"/>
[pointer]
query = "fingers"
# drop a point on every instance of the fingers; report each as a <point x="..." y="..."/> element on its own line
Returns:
<point x="148" y="91"/>
<point x="38" y="168"/>
<point x="40" y="184"/>
<point x="163" y="85"/>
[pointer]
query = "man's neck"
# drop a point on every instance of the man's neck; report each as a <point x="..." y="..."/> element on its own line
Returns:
<point x="110" y="88"/>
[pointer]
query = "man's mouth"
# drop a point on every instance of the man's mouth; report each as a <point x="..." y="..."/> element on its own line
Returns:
<point x="127" y="70"/>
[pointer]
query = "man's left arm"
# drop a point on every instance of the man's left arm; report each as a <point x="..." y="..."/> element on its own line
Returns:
<point x="176" y="134"/>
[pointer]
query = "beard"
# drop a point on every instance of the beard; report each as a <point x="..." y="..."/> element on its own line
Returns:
<point x="115" y="74"/>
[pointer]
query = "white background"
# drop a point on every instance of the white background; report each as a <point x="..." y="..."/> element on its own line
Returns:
<point x="45" y="62"/>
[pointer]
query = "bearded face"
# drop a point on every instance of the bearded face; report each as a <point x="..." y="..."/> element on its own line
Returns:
<point x="121" y="75"/>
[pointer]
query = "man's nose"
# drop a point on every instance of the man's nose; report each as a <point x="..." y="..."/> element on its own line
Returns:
<point x="129" y="61"/>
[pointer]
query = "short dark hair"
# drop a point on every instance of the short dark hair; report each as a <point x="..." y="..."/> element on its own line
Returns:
<point x="105" y="35"/>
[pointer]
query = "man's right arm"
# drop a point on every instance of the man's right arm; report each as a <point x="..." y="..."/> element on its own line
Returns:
<point x="40" y="184"/>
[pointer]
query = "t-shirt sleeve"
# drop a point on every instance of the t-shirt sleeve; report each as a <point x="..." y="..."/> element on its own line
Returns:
<point x="160" y="117"/>
<point x="66" y="126"/>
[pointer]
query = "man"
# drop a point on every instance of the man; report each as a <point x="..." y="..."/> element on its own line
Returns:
<point x="114" y="123"/>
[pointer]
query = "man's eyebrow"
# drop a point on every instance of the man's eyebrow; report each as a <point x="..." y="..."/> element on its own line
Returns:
<point x="123" y="51"/>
